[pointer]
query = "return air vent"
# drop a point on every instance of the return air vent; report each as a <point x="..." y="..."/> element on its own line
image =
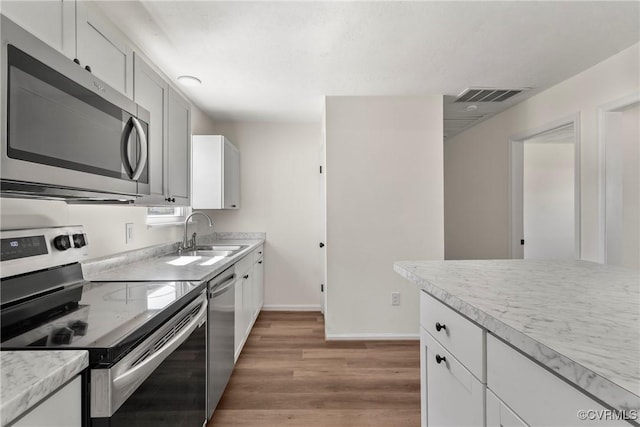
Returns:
<point x="487" y="94"/>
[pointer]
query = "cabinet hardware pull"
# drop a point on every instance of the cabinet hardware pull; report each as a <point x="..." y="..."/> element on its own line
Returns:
<point x="439" y="327"/>
<point x="321" y="245"/>
<point x="246" y="276"/>
<point x="259" y="262"/>
<point x="440" y="359"/>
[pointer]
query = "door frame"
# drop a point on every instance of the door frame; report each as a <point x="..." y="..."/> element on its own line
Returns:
<point x="610" y="107"/>
<point x="516" y="169"/>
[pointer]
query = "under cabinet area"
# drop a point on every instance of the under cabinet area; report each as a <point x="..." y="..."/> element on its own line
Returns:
<point x="215" y="173"/>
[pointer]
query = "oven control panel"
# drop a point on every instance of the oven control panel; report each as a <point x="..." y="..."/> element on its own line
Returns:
<point x="27" y="250"/>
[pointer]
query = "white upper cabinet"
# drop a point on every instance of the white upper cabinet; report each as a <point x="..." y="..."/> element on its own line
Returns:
<point x="151" y="93"/>
<point x="102" y="48"/>
<point x="52" y="21"/>
<point x="215" y="173"/>
<point x="179" y="134"/>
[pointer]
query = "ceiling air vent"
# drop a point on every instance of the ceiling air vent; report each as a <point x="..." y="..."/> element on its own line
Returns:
<point x="487" y="94"/>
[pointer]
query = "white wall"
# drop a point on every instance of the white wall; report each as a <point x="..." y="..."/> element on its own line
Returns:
<point x="477" y="161"/>
<point x="384" y="203"/>
<point x="623" y="188"/>
<point x="279" y="194"/>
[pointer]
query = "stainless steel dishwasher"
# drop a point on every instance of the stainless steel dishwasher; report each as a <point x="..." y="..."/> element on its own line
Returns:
<point x="221" y="330"/>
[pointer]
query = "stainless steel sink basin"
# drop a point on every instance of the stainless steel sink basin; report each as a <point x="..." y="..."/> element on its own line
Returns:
<point x="214" y="250"/>
<point x="234" y="248"/>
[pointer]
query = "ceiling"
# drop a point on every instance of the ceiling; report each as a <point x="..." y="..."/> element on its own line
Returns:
<point x="274" y="60"/>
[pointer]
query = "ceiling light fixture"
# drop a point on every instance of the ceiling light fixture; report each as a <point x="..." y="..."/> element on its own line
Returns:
<point x="189" y="81"/>
<point x="471" y="108"/>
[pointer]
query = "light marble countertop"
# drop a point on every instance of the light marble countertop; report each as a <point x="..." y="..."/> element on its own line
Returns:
<point x="155" y="263"/>
<point x="579" y="319"/>
<point x="30" y="376"/>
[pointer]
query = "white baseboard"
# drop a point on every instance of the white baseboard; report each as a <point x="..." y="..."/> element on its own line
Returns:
<point x="309" y="307"/>
<point x="371" y="337"/>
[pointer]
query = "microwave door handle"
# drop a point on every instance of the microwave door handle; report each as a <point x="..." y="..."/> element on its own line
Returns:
<point x="143" y="149"/>
<point x="124" y="148"/>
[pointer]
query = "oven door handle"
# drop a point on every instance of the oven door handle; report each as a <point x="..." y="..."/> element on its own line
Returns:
<point x="144" y="369"/>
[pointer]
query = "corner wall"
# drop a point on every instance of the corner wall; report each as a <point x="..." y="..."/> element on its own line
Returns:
<point x="476" y="162"/>
<point x="384" y="198"/>
<point x="279" y="194"/>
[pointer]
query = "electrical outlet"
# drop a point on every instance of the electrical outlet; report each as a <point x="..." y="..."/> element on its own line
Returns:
<point x="395" y="298"/>
<point x="128" y="238"/>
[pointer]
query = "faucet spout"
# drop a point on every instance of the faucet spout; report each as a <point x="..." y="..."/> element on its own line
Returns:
<point x="188" y="245"/>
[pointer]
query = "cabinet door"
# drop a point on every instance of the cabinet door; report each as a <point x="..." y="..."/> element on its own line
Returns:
<point x="179" y="134"/>
<point x="52" y="21"/>
<point x="150" y="91"/>
<point x="100" y="46"/>
<point x="231" y="170"/>
<point x="258" y="284"/>
<point x="499" y="415"/>
<point x="247" y="302"/>
<point x="454" y="397"/>
<point x="239" y="330"/>
<point x="48" y="413"/>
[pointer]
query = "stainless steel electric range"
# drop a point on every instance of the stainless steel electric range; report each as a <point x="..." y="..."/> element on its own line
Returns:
<point x="146" y="340"/>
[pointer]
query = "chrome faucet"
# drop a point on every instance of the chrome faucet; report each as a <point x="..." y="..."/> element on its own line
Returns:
<point x="192" y="242"/>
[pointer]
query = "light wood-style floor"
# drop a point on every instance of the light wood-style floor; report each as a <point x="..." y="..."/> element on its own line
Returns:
<point x="288" y="375"/>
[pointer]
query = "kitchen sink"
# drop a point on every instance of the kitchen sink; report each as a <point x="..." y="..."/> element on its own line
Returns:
<point x="233" y="248"/>
<point x="214" y="250"/>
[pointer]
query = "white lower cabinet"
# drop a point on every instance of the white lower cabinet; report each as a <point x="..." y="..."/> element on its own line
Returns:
<point x="453" y="396"/>
<point x="537" y="396"/>
<point x="467" y="381"/>
<point x="249" y="295"/>
<point x="61" y="409"/>
<point x="499" y="414"/>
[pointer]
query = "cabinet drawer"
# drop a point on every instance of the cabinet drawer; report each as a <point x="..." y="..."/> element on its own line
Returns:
<point x="461" y="337"/>
<point x="454" y="397"/>
<point x="535" y="394"/>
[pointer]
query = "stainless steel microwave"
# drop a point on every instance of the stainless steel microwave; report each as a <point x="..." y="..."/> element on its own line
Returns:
<point x="66" y="134"/>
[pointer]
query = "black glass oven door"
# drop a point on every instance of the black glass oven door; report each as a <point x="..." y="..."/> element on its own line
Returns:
<point x="173" y="395"/>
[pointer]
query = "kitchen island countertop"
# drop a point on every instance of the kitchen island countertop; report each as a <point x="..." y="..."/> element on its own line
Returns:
<point x="579" y="319"/>
<point x="28" y="377"/>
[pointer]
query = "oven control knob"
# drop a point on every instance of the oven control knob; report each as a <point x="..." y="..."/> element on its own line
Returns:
<point x="79" y="328"/>
<point x="62" y="242"/>
<point x="62" y="336"/>
<point x="79" y="240"/>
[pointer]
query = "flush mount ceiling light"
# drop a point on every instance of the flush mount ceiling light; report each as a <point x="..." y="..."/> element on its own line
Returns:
<point x="189" y="80"/>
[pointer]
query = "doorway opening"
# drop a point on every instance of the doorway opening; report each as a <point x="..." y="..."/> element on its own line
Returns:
<point x="545" y="192"/>
<point x="619" y="141"/>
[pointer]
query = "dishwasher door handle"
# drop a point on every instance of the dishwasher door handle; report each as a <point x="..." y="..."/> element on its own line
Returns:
<point x="222" y="288"/>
